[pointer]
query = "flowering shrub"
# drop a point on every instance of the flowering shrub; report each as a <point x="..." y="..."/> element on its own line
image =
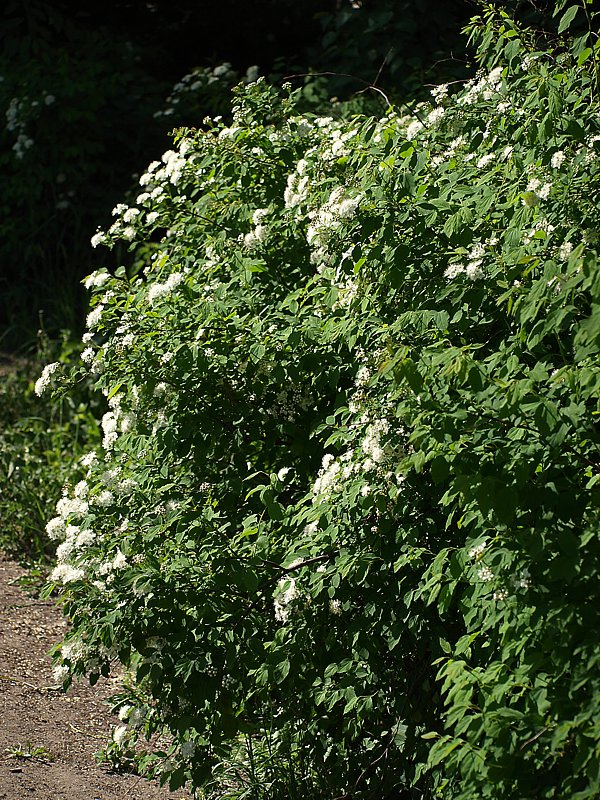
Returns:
<point x="342" y="529"/>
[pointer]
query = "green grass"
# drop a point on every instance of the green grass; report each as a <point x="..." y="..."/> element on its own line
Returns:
<point x="41" y="439"/>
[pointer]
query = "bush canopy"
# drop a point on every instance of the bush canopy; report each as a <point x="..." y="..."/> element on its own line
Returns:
<point x="343" y="528"/>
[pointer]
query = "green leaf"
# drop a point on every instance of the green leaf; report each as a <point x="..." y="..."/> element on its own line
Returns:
<point x="281" y="671"/>
<point x="567" y="18"/>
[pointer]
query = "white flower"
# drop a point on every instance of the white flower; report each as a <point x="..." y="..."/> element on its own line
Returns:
<point x="73" y="650"/>
<point x="259" y="215"/>
<point x="544" y="191"/>
<point x="60" y="672"/>
<point x="159" y="290"/>
<point x="282" y="473"/>
<point x="119" y="561"/>
<point x="119" y="734"/>
<point x="255" y="236"/>
<point x="335" y="607"/>
<point x="557" y="159"/>
<point x="85" y="538"/>
<point x="485" y="574"/>
<point x="485" y="160"/>
<point x="296" y="189"/>
<point x="473" y="271"/>
<point x="453" y="270"/>
<point x="439" y="92"/>
<point x="283" y="602"/>
<point x="63" y="551"/>
<point x="96" y="279"/>
<point x="126" y="486"/>
<point x="137" y="716"/>
<point x="88" y="355"/>
<point x="104" y="499"/>
<point x="477" y="552"/>
<point x="55" y="528"/>
<point x="371" y="444"/>
<point x="127" y="421"/>
<point x="99" y="238"/>
<point x="71" y="507"/>
<point x="522" y="580"/>
<point x="65" y="573"/>
<point x="89" y="459"/>
<point x="93" y="318"/>
<point x="45" y="378"/>
<point x="413" y="129"/>
<point x="435" y="115"/>
<point x="131" y="214"/>
<point x="565" y="250"/>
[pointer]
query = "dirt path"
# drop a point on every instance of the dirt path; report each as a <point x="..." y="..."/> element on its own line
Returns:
<point x="48" y="738"/>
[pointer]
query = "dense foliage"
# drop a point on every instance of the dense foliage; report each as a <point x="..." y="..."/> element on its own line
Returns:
<point x="343" y="527"/>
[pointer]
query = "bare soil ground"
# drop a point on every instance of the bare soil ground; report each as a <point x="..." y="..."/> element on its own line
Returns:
<point x="48" y="738"/>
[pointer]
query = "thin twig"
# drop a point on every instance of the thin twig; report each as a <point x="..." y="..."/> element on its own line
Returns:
<point x="21" y="682"/>
<point x="534" y="738"/>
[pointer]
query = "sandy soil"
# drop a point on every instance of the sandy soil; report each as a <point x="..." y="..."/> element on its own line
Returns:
<point x="48" y="738"/>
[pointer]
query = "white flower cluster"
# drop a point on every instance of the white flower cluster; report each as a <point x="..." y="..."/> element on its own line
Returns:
<point x="372" y="446"/>
<point x="119" y="735"/>
<point x="473" y="268"/>
<point x="536" y="191"/>
<point x="161" y="290"/>
<point x="565" y="250"/>
<point x="297" y="187"/>
<point x="93" y="318"/>
<point x="118" y="420"/>
<point x="439" y="93"/>
<point x="133" y="715"/>
<point x="259" y="233"/>
<point x="74" y="542"/>
<point x="174" y="165"/>
<point x="285" y="600"/>
<point x="99" y="238"/>
<point x="483" y="87"/>
<point x="66" y="573"/>
<point x="476" y="552"/>
<point x="328" y="218"/>
<point x="130" y="220"/>
<point x="45" y="379"/>
<point x="96" y="279"/>
<point x="372" y="455"/>
<point x="347" y="293"/>
<point x="449" y="152"/>
<point x="541" y="231"/>
<point x="16" y="122"/>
